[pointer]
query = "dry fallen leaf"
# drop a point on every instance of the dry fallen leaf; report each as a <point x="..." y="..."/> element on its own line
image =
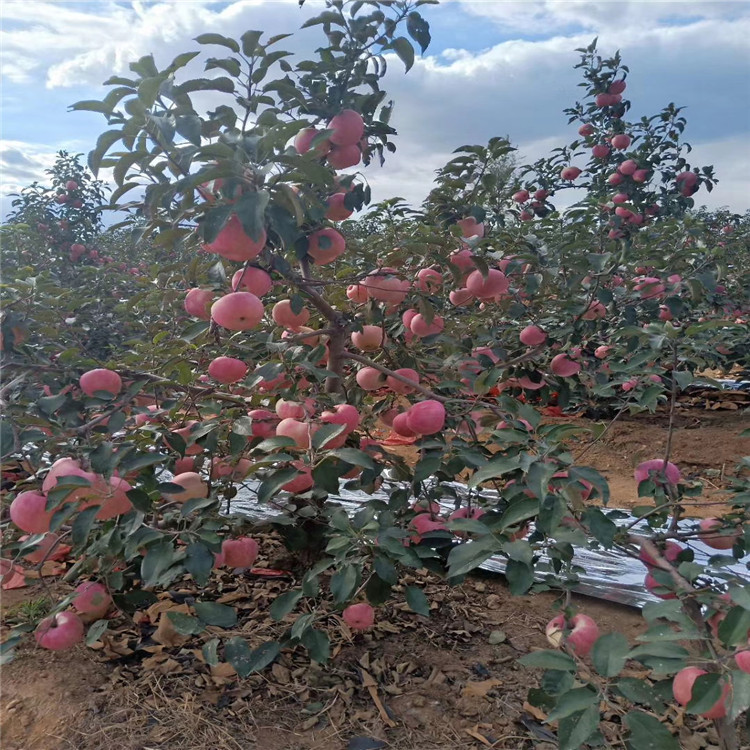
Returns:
<point x="537" y="713"/>
<point x="479" y="689"/>
<point x="165" y="633"/>
<point x="474" y="732"/>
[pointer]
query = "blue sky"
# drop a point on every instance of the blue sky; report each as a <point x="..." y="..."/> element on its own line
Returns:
<point x="494" y="68"/>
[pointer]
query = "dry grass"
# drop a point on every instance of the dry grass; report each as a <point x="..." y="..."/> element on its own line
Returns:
<point x="147" y="717"/>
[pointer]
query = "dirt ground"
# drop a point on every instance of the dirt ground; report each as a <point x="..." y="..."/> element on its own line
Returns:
<point x="412" y="683"/>
<point x="706" y="446"/>
<point x="436" y="680"/>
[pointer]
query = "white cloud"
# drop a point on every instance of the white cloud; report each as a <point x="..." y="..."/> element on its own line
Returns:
<point x="518" y="89"/>
<point x="693" y="53"/>
<point x="545" y="16"/>
<point x="73" y="47"/>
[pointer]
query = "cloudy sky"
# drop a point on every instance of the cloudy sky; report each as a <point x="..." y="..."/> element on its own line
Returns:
<point x="494" y="68"/>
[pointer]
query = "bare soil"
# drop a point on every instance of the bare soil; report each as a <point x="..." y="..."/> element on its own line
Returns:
<point x="447" y="682"/>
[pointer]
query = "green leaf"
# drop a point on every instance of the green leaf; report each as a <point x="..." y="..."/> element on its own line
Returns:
<point x="185" y="624"/>
<point x="706" y="692"/>
<point x="640" y="691"/>
<point x="740" y="701"/>
<point x="575" y="730"/>
<point x="91" y="105"/>
<point x="229" y="64"/>
<point x="325" y="433"/>
<point x="250" y="210"/>
<point x="148" y="90"/>
<point x="81" y="527"/>
<point x="218" y="39"/>
<point x="284" y="604"/>
<point x="648" y="733"/>
<point x="301" y="625"/>
<point x="355" y="457"/>
<point x="405" y="51"/>
<point x="199" y="560"/>
<point x="549" y="659"/>
<point x="216" y="614"/>
<point x="317" y="644"/>
<point x="601" y="527"/>
<point x="244" y="661"/>
<point x="417" y="601"/>
<point x="96" y="631"/>
<point x="156" y="563"/>
<point x="272" y="484"/>
<point x="210" y="654"/>
<point x="386" y="570"/>
<point x="103" y="143"/>
<point x="663" y="649"/>
<point x="326" y="476"/>
<point x="572" y="702"/>
<point x="378" y="591"/>
<point x="740" y="594"/>
<point x="344" y="582"/>
<point x="592" y="476"/>
<point x="734" y="627"/>
<point x="137" y="461"/>
<point x="419" y="30"/>
<point x="469" y="555"/>
<point x="520" y="577"/>
<point x="7" y="438"/>
<point x="609" y="654"/>
<point x="427" y="467"/>
<point x="518" y="511"/>
<point x="496" y="467"/>
<point x="181" y="61"/>
<point x="250" y="41"/>
<point x="189" y="127"/>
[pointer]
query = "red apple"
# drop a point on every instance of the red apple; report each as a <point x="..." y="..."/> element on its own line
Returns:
<point x="489" y="286"/>
<point x="682" y="689"/>
<point x="343" y="157"/>
<point x="100" y="379"/>
<point x="426" y="417"/>
<point x="198" y="302"/>
<point x="421" y="328"/>
<point x="570" y="173"/>
<point x="532" y="336"/>
<point x="620" y="141"/>
<point x="300" y="432"/>
<point x="368" y="339"/>
<point x="725" y="539"/>
<point x="357" y="293"/>
<point x="564" y="366"/>
<point x="93" y="599"/>
<point x="227" y="369"/>
<point x="336" y="208"/>
<point x="303" y="142"/>
<point x="655" y="470"/>
<point x="325" y="245"/>
<point x="253" y="280"/>
<point x="59" y="632"/>
<point x="283" y="315"/>
<point x="348" y="128"/>
<point x="27" y="511"/>
<point x="233" y="243"/>
<point x="581" y="636"/>
<point x="192" y="487"/>
<point x="237" y="311"/>
<point x="239" y="553"/>
<point x="359" y="616"/>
